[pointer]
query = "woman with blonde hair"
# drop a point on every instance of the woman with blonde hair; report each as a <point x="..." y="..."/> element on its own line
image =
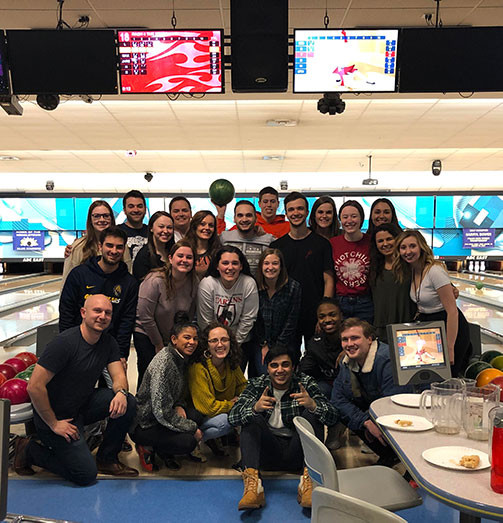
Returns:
<point x="432" y="292"/>
<point x="163" y="293"/>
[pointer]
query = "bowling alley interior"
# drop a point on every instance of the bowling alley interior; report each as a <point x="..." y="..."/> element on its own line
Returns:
<point x="354" y="100"/>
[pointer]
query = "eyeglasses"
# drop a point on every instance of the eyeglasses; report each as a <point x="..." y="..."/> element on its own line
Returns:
<point x="105" y="216"/>
<point x="214" y="341"/>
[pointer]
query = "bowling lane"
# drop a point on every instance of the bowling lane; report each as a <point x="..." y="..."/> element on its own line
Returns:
<point x="489" y="319"/>
<point x="486" y="296"/>
<point x="477" y="278"/>
<point x="42" y="292"/>
<point x="7" y="285"/>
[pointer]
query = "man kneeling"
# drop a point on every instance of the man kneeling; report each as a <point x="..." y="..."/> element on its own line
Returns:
<point x="64" y="397"/>
<point x="265" y="412"/>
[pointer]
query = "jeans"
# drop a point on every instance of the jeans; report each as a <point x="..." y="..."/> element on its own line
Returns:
<point x="73" y="461"/>
<point x="215" y="427"/>
<point x="357" y="307"/>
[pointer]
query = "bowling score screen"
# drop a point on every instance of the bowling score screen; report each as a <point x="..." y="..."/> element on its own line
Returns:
<point x="420" y="347"/>
<point x="170" y="61"/>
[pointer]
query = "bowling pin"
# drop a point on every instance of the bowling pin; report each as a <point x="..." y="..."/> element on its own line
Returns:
<point x="470" y="267"/>
<point x="477" y="266"/>
<point x="482" y="266"/>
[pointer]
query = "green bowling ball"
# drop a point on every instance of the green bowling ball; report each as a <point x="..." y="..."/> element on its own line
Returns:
<point x="221" y="191"/>
<point x="473" y="369"/>
<point x="489" y="355"/>
<point x="497" y="362"/>
<point x="479" y="285"/>
<point x="26" y="374"/>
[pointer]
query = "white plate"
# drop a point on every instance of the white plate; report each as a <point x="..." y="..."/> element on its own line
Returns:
<point x="448" y="457"/>
<point x="410" y="400"/>
<point x="418" y="422"/>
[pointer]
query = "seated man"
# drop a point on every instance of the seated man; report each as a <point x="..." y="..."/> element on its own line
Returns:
<point x="364" y="376"/>
<point x="62" y="390"/>
<point x="265" y="412"/>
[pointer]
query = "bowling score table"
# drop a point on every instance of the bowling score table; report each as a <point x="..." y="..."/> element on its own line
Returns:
<point x="467" y="491"/>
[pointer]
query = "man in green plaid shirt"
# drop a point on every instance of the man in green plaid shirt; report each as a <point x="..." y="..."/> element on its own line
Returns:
<point x="265" y="412"/>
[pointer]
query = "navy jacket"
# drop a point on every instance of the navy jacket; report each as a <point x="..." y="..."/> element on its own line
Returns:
<point x="119" y="287"/>
<point x="375" y="378"/>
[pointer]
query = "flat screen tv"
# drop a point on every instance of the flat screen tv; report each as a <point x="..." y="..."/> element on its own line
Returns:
<point x="62" y="62"/>
<point x="170" y="61"/>
<point x="341" y="60"/>
<point x="451" y="59"/>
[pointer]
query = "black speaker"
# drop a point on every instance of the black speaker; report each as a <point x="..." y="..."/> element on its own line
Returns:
<point x="259" y="45"/>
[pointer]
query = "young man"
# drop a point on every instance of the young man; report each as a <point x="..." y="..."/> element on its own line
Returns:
<point x="181" y="212"/>
<point x="308" y="259"/>
<point x="244" y="237"/>
<point x="135" y="207"/>
<point x="62" y="390"/>
<point x="265" y="412"/>
<point x="106" y="274"/>
<point x="364" y="376"/>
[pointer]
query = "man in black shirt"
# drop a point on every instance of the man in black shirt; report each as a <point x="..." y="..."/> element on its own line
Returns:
<point x="62" y="390"/>
<point x="308" y="259"/>
<point x="135" y="207"/>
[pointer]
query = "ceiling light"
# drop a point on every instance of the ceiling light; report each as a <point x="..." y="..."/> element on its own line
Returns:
<point x="8" y="158"/>
<point x="282" y="123"/>
<point x="273" y="157"/>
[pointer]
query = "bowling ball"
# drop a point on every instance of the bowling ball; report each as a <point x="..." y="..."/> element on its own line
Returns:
<point x="15" y="391"/>
<point x="497" y="362"/>
<point x="3" y="379"/>
<point x="474" y="368"/>
<point x="489" y="355"/>
<point x="498" y="380"/>
<point x="28" y="357"/>
<point x="479" y="285"/>
<point x="486" y="376"/>
<point x="221" y="192"/>
<point x="19" y="365"/>
<point x="7" y="370"/>
<point x="26" y="374"/>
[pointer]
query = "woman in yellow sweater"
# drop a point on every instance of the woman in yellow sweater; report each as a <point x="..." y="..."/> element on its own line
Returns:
<point x="216" y="381"/>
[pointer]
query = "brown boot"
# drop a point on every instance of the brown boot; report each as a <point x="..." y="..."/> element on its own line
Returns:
<point x="253" y="495"/>
<point x="21" y="465"/>
<point x="305" y="490"/>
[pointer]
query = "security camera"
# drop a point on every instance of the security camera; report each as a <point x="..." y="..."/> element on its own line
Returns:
<point x="148" y="176"/>
<point x="283" y="185"/>
<point x="436" y="167"/>
<point x="49" y="185"/>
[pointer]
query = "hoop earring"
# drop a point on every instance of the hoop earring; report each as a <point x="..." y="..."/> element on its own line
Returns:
<point x="207" y="354"/>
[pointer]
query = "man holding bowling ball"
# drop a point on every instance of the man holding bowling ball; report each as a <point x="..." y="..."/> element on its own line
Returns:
<point x="62" y="390"/>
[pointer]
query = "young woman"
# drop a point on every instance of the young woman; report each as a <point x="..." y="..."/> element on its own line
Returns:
<point x="99" y="217"/>
<point x="228" y="294"/>
<point x="215" y="382"/>
<point x="382" y="211"/>
<point x="160" y="240"/>
<point x="279" y="307"/>
<point x="162" y="294"/>
<point x="163" y="420"/>
<point x="432" y="292"/>
<point x="204" y="238"/>
<point x="392" y="303"/>
<point x="350" y="252"/>
<point x="323" y="218"/>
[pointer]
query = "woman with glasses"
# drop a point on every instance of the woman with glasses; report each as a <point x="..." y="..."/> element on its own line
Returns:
<point x="99" y="217"/>
<point x="215" y="382"/>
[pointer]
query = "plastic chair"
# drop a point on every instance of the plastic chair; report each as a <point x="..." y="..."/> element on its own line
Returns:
<point x="377" y="485"/>
<point x="330" y="505"/>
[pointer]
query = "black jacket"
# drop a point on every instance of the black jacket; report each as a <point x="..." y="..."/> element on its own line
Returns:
<point x="320" y="358"/>
<point x="119" y="287"/>
<point x="143" y="263"/>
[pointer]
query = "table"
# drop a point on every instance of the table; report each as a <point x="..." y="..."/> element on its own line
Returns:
<point x="469" y="492"/>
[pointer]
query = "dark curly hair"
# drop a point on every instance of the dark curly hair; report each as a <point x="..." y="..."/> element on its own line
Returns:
<point x="234" y="356"/>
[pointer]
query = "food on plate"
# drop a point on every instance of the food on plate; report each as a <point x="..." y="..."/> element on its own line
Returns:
<point x="403" y="422"/>
<point x="470" y="462"/>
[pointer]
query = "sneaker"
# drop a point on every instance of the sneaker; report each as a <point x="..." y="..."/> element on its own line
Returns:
<point x="253" y="495"/>
<point x="305" y="490"/>
<point x="197" y="456"/>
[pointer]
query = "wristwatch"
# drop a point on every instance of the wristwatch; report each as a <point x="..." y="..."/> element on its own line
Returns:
<point x="124" y="391"/>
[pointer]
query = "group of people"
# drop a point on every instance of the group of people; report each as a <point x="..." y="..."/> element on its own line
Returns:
<point x="205" y="306"/>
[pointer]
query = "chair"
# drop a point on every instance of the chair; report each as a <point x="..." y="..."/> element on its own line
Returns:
<point x="377" y="485"/>
<point x="45" y="334"/>
<point x="330" y="505"/>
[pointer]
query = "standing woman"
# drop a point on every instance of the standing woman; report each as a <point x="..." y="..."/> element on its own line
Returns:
<point x="163" y="420"/>
<point x="99" y="217"/>
<point x="163" y="293"/>
<point x="204" y="238"/>
<point x="392" y="303"/>
<point x="351" y="256"/>
<point x="215" y="382"/>
<point x="228" y="294"/>
<point x="323" y="218"/>
<point x="155" y="252"/>
<point x="382" y="211"/>
<point x="432" y="292"/>
<point x="279" y="307"/>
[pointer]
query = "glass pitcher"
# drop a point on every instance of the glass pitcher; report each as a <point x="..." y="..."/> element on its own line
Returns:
<point x="445" y="411"/>
<point x="477" y="402"/>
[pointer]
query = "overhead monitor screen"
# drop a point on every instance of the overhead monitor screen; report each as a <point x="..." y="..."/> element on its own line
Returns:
<point x="340" y="60"/>
<point x="170" y="61"/>
<point x="420" y="347"/>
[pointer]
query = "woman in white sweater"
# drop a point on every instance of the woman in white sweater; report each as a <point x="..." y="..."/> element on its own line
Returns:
<point x="228" y="294"/>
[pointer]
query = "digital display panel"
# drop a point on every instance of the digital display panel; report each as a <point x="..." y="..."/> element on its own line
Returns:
<point x="420" y="347"/>
<point x="340" y="60"/>
<point x="170" y="61"/>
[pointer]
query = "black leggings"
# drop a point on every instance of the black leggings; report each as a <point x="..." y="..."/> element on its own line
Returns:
<point x="145" y="351"/>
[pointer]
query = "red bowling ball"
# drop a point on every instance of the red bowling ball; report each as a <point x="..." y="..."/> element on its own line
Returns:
<point x="27" y="357"/>
<point x="3" y="379"/>
<point x="15" y="391"/>
<point x="7" y="370"/>
<point x="19" y="365"/>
